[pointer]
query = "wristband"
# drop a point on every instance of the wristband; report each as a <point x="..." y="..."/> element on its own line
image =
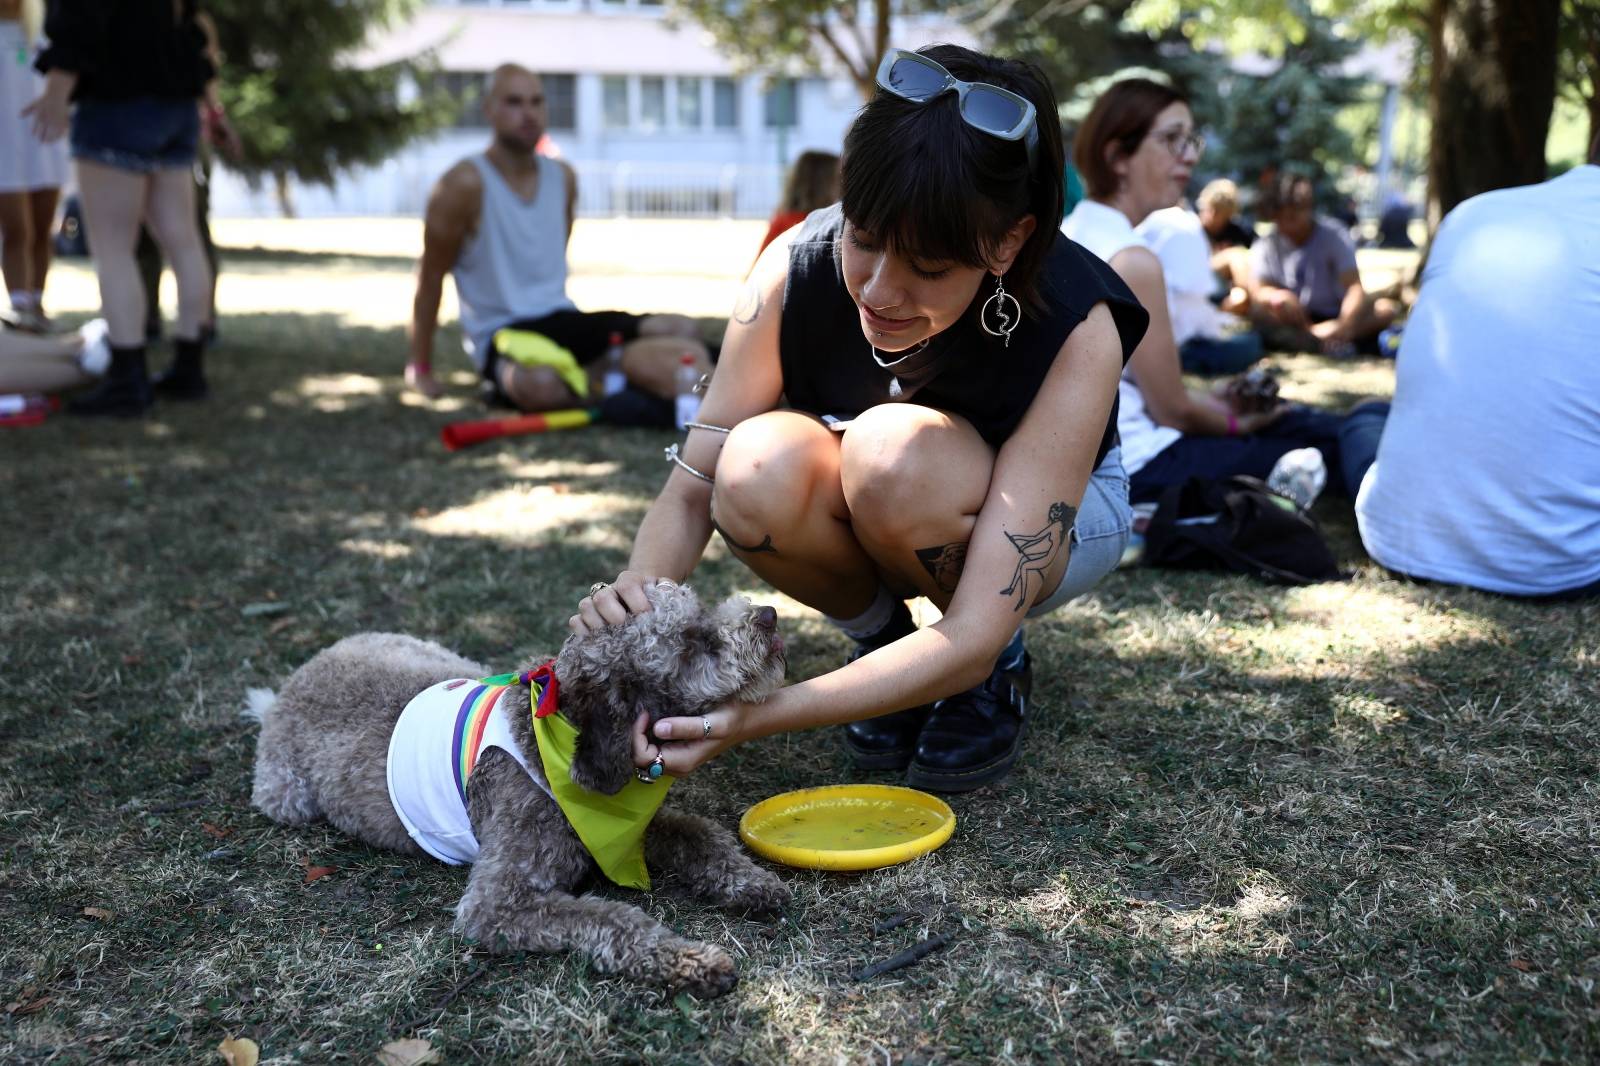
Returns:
<point x="1233" y="425"/>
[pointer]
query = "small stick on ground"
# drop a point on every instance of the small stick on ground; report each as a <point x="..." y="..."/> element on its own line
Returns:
<point x="432" y="1014"/>
<point x="905" y="958"/>
<point x="894" y="921"/>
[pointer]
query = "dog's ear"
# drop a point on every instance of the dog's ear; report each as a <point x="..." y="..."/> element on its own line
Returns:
<point x="602" y="760"/>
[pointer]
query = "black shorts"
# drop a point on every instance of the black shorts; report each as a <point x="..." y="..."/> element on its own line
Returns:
<point x="586" y="334"/>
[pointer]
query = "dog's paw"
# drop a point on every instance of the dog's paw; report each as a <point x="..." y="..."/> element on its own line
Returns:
<point x="704" y="971"/>
<point x="759" y="892"/>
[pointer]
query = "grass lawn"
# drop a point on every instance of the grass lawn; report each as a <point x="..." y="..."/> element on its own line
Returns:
<point x="1354" y="822"/>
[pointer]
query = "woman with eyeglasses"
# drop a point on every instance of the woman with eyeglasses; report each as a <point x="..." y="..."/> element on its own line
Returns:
<point x="950" y="368"/>
<point x="1136" y="150"/>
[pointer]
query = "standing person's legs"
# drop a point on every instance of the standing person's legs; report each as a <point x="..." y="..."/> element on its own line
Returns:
<point x="16" y="245"/>
<point x="148" y="253"/>
<point x="113" y="202"/>
<point x="171" y="214"/>
<point x="113" y="205"/>
<point x="42" y="215"/>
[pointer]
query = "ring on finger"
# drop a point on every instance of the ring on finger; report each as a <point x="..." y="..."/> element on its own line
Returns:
<point x="705" y="727"/>
<point x="597" y="586"/>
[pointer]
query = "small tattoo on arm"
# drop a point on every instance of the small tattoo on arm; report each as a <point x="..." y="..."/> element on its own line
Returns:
<point x="1039" y="550"/>
<point x="943" y="563"/>
<point x="749" y="305"/>
<point x="748" y="549"/>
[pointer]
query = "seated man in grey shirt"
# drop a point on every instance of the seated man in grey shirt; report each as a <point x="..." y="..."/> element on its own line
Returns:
<point x="1305" y="277"/>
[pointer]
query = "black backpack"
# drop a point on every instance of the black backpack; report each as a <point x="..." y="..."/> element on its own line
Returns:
<point x="1238" y="524"/>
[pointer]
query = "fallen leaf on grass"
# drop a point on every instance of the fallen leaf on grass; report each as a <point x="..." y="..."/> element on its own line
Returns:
<point x="1521" y="964"/>
<point x="22" y="1005"/>
<point x="98" y="912"/>
<point x="280" y="625"/>
<point x="215" y="831"/>
<point x="414" y="1052"/>
<point x="133" y="658"/>
<point x="315" y="873"/>
<point x="241" y="1051"/>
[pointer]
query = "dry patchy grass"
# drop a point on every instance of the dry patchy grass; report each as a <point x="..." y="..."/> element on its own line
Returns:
<point x="1355" y="822"/>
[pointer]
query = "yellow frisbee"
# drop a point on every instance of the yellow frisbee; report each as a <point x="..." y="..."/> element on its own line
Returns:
<point x="847" y="827"/>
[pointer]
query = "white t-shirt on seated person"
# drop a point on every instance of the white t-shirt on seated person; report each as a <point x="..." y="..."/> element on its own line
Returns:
<point x="1489" y="470"/>
<point x="1105" y="231"/>
<point x="1180" y="242"/>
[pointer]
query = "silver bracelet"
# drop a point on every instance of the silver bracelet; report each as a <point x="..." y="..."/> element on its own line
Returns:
<point x="704" y="425"/>
<point x="670" y="454"/>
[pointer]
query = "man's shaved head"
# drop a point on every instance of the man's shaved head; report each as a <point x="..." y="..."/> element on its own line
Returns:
<point x="507" y="73"/>
<point x="515" y="107"/>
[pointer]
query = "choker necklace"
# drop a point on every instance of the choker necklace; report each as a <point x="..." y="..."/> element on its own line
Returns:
<point x="889" y="364"/>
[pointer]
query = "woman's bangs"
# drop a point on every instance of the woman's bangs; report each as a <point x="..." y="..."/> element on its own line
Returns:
<point x="918" y="202"/>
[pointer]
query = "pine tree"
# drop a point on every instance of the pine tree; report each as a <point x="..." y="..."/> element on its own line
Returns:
<point x="301" y="108"/>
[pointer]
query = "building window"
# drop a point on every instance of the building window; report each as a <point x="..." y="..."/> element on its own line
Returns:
<point x="690" y="112"/>
<point x="780" y="104"/>
<point x="652" y="102"/>
<point x="614" y="101"/>
<point x="725" y="103"/>
<point x="561" y="101"/>
<point x="465" y="87"/>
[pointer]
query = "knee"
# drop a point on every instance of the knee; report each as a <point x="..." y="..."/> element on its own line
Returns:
<point x="535" y="388"/>
<point x="900" y="472"/>
<point x="768" y="474"/>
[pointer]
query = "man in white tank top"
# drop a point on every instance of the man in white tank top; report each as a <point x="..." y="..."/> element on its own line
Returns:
<point x="499" y="222"/>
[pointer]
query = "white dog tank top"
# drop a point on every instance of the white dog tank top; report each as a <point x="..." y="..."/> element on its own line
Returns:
<point x="435" y="744"/>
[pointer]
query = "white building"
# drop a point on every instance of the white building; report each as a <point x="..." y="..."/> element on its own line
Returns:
<point x="653" y="117"/>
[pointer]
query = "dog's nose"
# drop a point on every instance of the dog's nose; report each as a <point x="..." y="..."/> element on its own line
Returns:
<point x="766" y="618"/>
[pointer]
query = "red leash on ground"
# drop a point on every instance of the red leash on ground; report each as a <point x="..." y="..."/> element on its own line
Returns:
<point x="458" y="435"/>
<point x="17" y="409"/>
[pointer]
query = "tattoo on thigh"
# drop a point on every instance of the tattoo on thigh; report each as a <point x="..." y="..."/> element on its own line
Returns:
<point x="943" y="563"/>
<point x="748" y="549"/>
<point x="749" y="305"/>
<point x="1039" y="550"/>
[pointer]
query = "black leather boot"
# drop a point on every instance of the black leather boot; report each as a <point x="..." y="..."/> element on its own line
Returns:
<point x="973" y="738"/>
<point x="124" y="391"/>
<point x="185" y="379"/>
<point x="887" y="741"/>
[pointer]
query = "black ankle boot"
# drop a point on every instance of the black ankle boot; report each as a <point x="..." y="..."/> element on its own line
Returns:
<point x="973" y="738"/>
<point x="887" y="741"/>
<point x="184" y="379"/>
<point x="124" y="391"/>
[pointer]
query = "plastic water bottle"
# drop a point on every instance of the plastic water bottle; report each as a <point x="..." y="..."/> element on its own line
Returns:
<point x="615" y="379"/>
<point x="688" y="404"/>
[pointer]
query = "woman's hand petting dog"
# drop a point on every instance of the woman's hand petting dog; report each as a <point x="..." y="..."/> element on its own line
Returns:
<point x="611" y="604"/>
<point x="697" y="746"/>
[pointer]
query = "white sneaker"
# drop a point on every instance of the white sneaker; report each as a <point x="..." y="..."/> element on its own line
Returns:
<point x="1300" y="475"/>
<point x="96" y="354"/>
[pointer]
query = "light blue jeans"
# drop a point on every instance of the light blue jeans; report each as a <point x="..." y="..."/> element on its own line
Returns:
<point x="1098" y="536"/>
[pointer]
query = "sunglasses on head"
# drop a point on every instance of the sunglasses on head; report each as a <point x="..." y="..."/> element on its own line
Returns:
<point x="996" y="111"/>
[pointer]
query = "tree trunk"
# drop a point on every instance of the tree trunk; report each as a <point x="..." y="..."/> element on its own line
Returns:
<point x="280" y="186"/>
<point x="1491" y="91"/>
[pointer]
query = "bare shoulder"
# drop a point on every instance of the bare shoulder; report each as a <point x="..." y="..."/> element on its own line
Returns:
<point x="456" y="199"/>
<point x="1136" y="263"/>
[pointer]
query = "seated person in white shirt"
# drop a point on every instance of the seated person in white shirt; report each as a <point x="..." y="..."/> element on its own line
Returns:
<point x="1304" y="277"/>
<point x="1488" y="470"/>
<point x="1210" y="341"/>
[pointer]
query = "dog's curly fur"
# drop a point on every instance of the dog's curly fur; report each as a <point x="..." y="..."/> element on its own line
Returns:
<point x="324" y="747"/>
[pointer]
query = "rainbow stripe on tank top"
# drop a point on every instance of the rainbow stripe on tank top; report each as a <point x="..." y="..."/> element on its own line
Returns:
<point x="473" y="718"/>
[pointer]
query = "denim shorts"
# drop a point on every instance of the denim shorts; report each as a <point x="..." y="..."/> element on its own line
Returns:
<point x="1098" y="536"/>
<point x="144" y="134"/>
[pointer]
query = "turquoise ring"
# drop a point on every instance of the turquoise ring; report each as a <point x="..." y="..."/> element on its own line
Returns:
<point x="656" y="768"/>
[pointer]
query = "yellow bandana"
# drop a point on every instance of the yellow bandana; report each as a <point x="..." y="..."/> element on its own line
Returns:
<point x="611" y="827"/>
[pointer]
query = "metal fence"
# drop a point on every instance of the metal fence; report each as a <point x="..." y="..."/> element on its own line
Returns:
<point x="676" y="190"/>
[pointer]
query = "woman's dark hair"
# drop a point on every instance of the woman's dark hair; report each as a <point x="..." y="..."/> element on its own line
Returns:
<point x="1288" y="188"/>
<point x="918" y="178"/>
<point x="1122" y="116"/>
<point x="813" y="182"/>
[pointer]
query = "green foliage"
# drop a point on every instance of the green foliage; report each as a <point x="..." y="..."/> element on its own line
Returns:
<point x="766" y="37"/>
<point x="300" y="106"/>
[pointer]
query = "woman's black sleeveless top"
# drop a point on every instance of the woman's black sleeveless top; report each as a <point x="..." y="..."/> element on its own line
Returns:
<point x="828" y="366"/>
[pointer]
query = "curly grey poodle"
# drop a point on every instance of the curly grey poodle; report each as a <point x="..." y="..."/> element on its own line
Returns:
<point x="331" y="747"/>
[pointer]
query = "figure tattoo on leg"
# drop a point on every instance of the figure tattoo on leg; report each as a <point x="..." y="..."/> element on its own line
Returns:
<point x="943" y="563"/>
<point x="1038" y="551"/>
